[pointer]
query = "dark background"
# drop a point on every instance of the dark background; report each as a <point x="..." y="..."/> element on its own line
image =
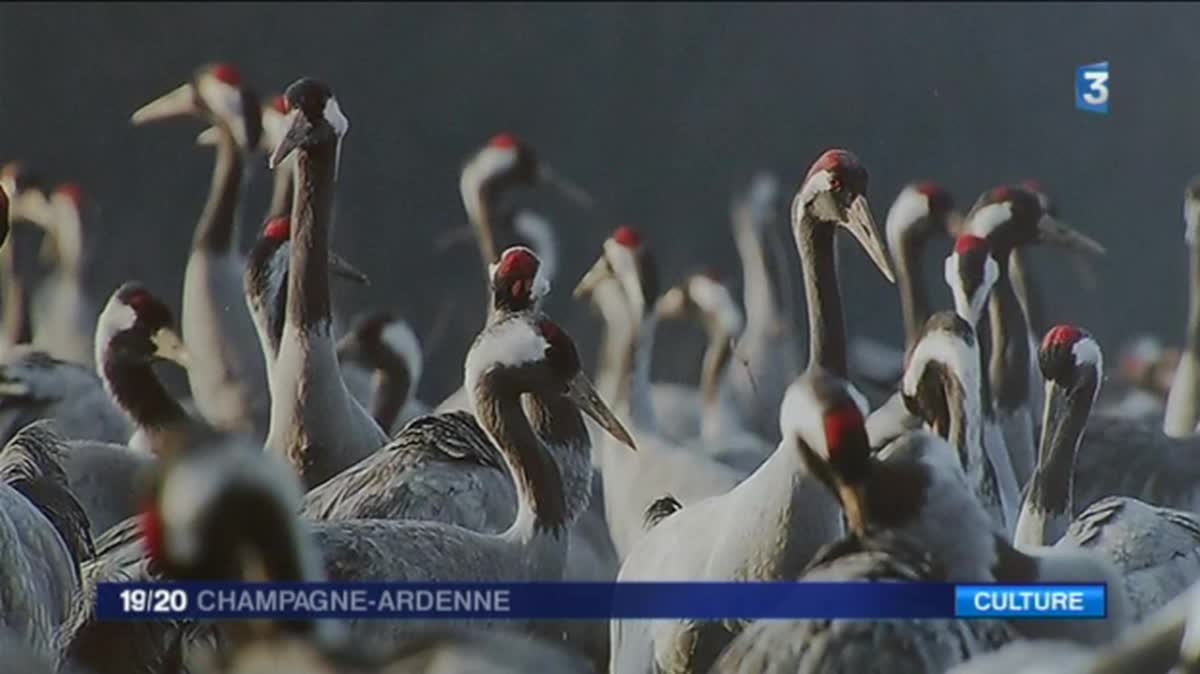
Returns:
<point x="660" y="110"/>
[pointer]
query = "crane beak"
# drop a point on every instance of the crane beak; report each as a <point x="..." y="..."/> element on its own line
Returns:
<point x="600" y="272"/>
<point x="569" y="189"/>
<point x="169" y="346"/>
<point x="340" y="267"/>
<point x="862" y="226"/>
<point x="581" y="392"/>
<point x="33" y="206"/>
<point x="29" y="204"/>
<point x="854" y="504"/>
<point x="208" y="136"/>
<point x="178" y="103"/>
<point x="672" y="305"/>
<point x="1056" y="232"/>
<point x="298" y="128"/>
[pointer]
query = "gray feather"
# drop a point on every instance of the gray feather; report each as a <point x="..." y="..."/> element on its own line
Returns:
<point x="862" y="646"/>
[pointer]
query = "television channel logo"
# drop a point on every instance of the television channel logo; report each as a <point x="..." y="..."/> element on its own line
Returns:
<point x="1091" y="88"/>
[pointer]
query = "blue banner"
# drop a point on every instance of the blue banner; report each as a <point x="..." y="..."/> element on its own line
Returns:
<point x="603" y="601"/>
<point x="1030" y="601"/>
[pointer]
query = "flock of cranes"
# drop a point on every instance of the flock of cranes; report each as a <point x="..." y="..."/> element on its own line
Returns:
<point x="985" y="452"/>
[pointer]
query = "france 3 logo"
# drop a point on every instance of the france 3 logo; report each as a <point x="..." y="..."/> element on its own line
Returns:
<point x="1091" y="88"/>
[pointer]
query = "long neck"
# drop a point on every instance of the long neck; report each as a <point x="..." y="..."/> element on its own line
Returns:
<point x="215" y="231"/>
<point x="540" y="503"/>
<point x="263" y="528"/>
<point x="985" y="385"/>
<point x="641" y="409"/>
<point x="826" y="328"/>
<point x="913" y="298"/>
<point x="712" y="370"/>
<point x="479" y="201"/>
<point x="1009" y="366"/>
<point x="1183" y="398"/>
<point x="138" y="391"/>
<point x="562" y="430"/>
<point x="1193" y="326"/>
<point x="1026" y="289"/>
<point x="758" y="293"/>
<point x="717" y="407"/>
<point x="544" y="242"/>
<point x="392" y="383"/>
<point x="1046" y="512"/>
<point x="276" y="306"/>
<point x="781" y="497"/>
<point x="250" y="534"/>
<point x="966" y="426"/>
<point x="264" y="286"/>
<point x="615" y="355"/>
<point x="69" y="242"/>
<point x="308" y="301"/>
<point x="282" y="191"/>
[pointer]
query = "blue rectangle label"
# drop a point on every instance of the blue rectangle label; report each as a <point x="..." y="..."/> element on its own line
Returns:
<point x="1092" y="88"/>
<point x="1030" y="601"/>
<point x="594" y="601"/>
